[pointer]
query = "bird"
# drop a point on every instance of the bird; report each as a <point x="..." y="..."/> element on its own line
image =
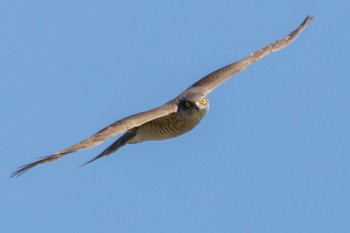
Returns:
<point x="172" y="119"/>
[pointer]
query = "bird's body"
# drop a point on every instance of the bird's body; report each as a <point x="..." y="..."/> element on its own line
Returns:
<point x="173" y="125"/>
<point x="190" y="111"/>
<point x="172" y="119"/>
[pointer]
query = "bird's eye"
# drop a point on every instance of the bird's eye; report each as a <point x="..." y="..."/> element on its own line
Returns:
<point x="204" y="101"/>
<point x="188" y="104"/>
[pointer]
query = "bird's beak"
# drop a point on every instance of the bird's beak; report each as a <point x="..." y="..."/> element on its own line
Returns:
<point x="199" y="105"/>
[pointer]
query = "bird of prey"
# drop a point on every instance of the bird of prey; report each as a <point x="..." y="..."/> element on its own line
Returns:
<point x="172" y="119"/>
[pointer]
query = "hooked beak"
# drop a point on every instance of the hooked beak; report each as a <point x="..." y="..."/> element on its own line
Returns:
<point x="199" y="106"/>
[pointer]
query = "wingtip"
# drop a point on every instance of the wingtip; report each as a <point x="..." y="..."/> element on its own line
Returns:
<point x="20" y="171"/>
<point x="23" y="169"/>
<point x="307" y="20"/>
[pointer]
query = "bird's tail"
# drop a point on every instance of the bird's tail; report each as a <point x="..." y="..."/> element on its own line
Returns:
<point x="123" y="140"/>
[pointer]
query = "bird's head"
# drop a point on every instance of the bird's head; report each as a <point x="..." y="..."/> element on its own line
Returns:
<point x="194" y="101"/>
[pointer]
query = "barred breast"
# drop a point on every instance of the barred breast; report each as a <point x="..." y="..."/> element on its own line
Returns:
<point x="169" y="126"/>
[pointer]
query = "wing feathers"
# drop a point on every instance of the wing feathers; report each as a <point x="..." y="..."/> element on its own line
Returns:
<point x="214" y="79"/>
<point x="108" y="132"/>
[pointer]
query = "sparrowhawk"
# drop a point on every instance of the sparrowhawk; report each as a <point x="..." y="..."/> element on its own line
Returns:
<point x="172" y="119"/>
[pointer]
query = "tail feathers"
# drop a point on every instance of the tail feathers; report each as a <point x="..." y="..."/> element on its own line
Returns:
<point x="123" y="140"/>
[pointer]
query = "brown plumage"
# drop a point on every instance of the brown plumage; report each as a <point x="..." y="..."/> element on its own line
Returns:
<point x="172" y="119"/>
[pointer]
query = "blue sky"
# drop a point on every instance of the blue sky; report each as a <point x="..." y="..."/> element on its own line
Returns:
<point x="272" y="155"/>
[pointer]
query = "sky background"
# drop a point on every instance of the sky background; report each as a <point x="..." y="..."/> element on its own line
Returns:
<point x="271" y="156"/>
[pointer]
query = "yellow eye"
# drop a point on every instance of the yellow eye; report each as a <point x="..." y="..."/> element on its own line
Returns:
<point x="188" y="104"/>
<point x="204" y="101"/>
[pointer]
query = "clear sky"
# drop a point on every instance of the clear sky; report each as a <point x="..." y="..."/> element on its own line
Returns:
<point x="271" y="156"/>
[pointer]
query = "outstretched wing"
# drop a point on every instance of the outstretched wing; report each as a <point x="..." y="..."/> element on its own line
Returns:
<point x="214" y="79"/>
<point x="108" y="132"/>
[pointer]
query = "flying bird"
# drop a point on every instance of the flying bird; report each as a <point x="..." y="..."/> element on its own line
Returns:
<point x="172" y="119"/>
